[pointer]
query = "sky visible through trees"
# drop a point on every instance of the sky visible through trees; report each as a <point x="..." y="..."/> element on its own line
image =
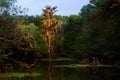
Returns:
<point x="65" y="7"/>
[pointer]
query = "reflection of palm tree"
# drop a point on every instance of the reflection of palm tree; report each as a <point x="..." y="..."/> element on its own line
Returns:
<point x="50" y="72"/>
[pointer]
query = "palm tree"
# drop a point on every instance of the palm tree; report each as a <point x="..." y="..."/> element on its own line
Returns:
<point x="51" y="28"/>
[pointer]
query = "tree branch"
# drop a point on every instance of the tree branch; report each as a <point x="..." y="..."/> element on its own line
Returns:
<point x="1" y="38"/>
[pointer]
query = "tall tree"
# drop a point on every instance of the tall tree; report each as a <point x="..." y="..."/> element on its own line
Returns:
<point x="52" y="27"/>
<point x="15" y="37"/>
<point x="8" y="7"/>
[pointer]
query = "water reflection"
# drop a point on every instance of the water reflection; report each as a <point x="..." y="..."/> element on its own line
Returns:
<point x="48" y="72"/>
<point x="93" y="73"/>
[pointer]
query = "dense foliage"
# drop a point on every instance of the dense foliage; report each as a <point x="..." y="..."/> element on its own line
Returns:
<point x="92" y="34"/>
<point x="95" y="31"/>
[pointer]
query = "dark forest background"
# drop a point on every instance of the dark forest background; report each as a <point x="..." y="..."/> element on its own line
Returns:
<point x="92" y="34"/>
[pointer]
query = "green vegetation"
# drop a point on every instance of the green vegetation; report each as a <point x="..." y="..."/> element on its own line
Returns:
<point x="92" y="36"/>
<point x="19" y="74"/>
<point x="85" y="65"/>
<point x="58" y="59"/>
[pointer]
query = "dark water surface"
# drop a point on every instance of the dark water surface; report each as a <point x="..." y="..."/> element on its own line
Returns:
<point x="64" y="73"/>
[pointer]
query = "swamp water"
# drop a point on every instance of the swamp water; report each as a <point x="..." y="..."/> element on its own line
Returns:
<point x="52" y="72"/>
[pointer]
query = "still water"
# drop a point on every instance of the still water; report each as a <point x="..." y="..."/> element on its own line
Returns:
<point x="64" y="73"/>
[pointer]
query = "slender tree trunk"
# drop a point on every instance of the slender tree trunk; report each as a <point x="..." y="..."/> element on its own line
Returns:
<point x="49" y="55"/>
